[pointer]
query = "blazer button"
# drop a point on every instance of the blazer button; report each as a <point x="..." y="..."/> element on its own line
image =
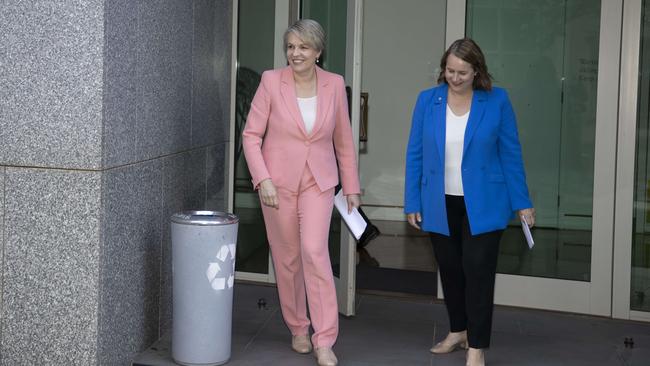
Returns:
<point x="306" y="143"/>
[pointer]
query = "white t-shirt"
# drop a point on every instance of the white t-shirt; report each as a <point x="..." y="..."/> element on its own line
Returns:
<point x="454" y="142"/>
<point x="308" y="111"/>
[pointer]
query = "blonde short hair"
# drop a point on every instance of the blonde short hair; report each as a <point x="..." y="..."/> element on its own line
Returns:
<point x="309" y="31"/>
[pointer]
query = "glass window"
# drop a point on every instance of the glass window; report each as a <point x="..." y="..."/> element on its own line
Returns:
<point x="545" y="54"/>
<point x="640" y="291"/>
<point x="254" y="55"/>
<point x="332" y="16"/>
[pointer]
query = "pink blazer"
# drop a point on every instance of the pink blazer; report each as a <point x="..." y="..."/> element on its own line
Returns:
<point x="277" y="146"/>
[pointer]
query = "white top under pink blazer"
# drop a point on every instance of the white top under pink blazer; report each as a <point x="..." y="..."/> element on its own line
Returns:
<point x="277" y="146"/>
<point x="308" y="112"/>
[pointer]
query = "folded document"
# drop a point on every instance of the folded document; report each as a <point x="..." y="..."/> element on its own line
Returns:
<point x="360" y="226"/>
<point x="527" y="233"/>
<point x="354" y="220"/>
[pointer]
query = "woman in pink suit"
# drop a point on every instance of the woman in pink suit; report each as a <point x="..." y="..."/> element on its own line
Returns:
<point x="297" y="129"/>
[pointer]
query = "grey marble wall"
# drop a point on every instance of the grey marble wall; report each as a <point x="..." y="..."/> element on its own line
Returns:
<point x="130" y="263"/>
<point x="124" y="106"/>
<point x="148" y="74"/>
<point x="216" y="179"/>
<point x="51" y="267"/>
<point x="211" y="65"/>
<point x="167" y="72"/>
<point x="50" y="117"/>
<point x="51" y="67"/>
<point x="2" y="242"/>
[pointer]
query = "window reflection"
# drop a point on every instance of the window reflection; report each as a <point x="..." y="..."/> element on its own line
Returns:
<point x="640" y="279"/>
<point x="254" y="55"/>
<point x="546" y="55"/>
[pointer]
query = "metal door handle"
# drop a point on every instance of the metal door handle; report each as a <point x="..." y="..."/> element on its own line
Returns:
<point x="363" y="123"/>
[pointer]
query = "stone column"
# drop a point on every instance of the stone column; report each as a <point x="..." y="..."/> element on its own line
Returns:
<point x="114" y="115"/>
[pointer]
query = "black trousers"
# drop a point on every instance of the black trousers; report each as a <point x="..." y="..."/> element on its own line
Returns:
<point x="467" y="265"/>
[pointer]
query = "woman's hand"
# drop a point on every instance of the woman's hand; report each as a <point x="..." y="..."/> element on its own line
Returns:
<point x="268" y="194"/>
<point x="528" y="214"/>
<point x="353" y="201"/>
<point x="414" y="219"/>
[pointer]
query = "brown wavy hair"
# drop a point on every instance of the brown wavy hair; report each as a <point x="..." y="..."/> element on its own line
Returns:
<point x="467" y="50"/>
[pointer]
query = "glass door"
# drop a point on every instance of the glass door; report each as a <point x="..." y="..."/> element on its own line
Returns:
<point x="260" y="26"/>
<point x="640" y="251"/>
<point x="255" y="53"/>
<point x="559" y="63"/>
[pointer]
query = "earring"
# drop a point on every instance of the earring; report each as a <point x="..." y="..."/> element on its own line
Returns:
<point x="317" y="60"/>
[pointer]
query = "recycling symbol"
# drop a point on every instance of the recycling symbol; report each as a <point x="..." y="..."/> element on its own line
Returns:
<point x="223" y="259"/>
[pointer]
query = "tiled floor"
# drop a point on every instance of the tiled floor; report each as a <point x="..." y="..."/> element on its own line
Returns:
<point x="398" y="331"/>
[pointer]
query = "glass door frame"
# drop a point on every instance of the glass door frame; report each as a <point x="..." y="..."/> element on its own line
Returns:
<point x="594" y="297"/>
<point x="286" y="12"/>
<point x="346" y="283"/>
<point x="283" y="14"/>
<point x="627" y="131"/>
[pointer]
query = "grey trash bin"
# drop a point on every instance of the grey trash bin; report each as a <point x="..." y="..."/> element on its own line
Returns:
<point x="203" y="274"/>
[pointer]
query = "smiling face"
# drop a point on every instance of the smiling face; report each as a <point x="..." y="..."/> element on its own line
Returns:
<point x="459" y="74"/>
<point x="300" y="55"/>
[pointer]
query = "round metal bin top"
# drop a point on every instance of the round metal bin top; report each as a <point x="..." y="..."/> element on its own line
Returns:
<point x="204" y="218"/>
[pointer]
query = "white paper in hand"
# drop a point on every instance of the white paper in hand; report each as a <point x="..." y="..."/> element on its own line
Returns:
<point x="354" y="220"/>
<point x="527" y="233"/>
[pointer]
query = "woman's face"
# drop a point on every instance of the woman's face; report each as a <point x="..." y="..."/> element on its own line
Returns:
<point x="301" y="56"/>
<point x="459" y="74"/>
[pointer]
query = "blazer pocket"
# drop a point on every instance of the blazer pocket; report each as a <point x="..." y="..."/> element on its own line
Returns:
<point x="496" y="178"/>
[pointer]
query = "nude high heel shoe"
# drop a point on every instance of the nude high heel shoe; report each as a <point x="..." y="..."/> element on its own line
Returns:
<point x="325" y="357"/>
<point x="301" y="344"/>
<point x="450" y="343"/>
<point x="475" y="357"/>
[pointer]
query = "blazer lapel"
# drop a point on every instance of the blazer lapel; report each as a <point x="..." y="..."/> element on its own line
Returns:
<point x="288" y="91"/>
<point x="324" y="98"/>
<point x="439" y="113"/>
<point x="475" y="117"/>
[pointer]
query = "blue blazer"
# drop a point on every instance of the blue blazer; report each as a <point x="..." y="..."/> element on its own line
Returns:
<point x="494" y="182"/>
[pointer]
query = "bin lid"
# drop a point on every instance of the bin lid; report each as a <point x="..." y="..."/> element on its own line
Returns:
<point x="204" y="218"/>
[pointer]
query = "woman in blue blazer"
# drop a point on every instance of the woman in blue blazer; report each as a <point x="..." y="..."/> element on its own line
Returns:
<point x="464" y="181"/>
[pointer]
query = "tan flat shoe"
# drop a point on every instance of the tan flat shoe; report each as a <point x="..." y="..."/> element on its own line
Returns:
<point x="451" y="343"/>
<point x="475" y="357"/>
<point x="301" y="344"/>
<point x="325" y="357"/>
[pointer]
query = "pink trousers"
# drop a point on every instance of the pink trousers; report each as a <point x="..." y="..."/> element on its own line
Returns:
<point x="298" y="235"/>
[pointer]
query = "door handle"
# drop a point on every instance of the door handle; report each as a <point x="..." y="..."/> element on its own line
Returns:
<point x="363" y="123"/>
